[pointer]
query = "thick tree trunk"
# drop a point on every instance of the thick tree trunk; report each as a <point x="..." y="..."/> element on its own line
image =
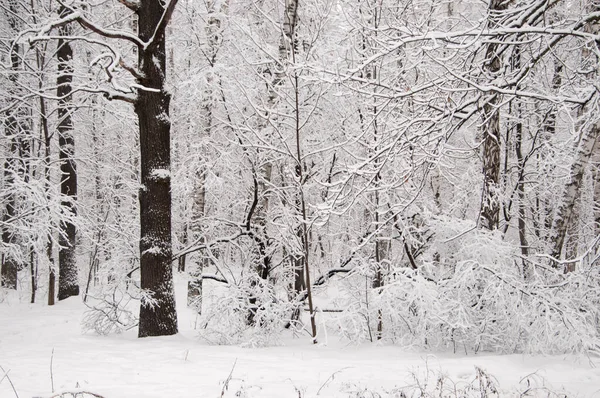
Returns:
<point x="68" y="279"/>
<point x="158" y="316"/>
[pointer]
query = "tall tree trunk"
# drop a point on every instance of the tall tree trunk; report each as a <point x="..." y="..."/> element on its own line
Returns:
<point x="47" y="139"/>
<point x="522" y="212"/>
<point x="68" y="278"/>
<point x="14" y="130"/>
<point x="545" y="207"/>
<point x="564" y="213"/>
<point x="566" y="216"/>
<point x="194" y="292"/>
<point x="290" y="42"/>
<point x="158" y="316"/>
<point x="490" y="202"/>
<point x="596" y="179"/>
<point x="303" y="233"/>
<point x="214" y="39"/>
<point x="263" y="175"/>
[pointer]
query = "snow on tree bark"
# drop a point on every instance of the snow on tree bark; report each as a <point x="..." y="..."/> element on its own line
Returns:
<point x="213" y="35"/>
<point x="68" y="280"/>
<point x="158" y="316"/>
<point x="564" y="213"/>
<point x="17" y="129"/>
<point x="490" y="202"/>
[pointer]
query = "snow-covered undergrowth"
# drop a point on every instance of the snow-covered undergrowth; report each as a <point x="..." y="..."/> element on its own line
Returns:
<point x="472" y="293"/>
<point x="44" y="353"/>
<point x="483" y="299"/>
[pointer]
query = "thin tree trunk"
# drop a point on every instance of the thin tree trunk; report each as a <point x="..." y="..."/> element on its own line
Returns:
<point x="194" y="292"/>
<point x="68" y="282"/>
<point x="522" y="210"/>
<point x="33" y="269"/>
<point x="490" y="202"/>
<point x="47" y="184"/>
<point x="158" y="316"/>
<point x="596" y="178"/>
<point x="14" y="129"/>
<point x="566" y="216"/>
<point x="214" y="39"/>
<point x="263" y="176"/>
<point x="181" y="261"/>
<point x="564" y="213"/>
<point x="549" y="132"/>
<point x="289" y="29"/>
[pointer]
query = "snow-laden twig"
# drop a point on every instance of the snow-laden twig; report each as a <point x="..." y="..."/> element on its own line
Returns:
<point x="6" y="376"/>
<point x="330" y="378"/>
<point x="228" y="379"/>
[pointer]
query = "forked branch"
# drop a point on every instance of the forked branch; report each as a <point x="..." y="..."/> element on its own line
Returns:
<point x="131" y="4"/>
<point x="161" y="26"/>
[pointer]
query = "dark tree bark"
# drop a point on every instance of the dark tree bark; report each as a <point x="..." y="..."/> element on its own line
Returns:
<point x="490" y="202"/>
<point x="158" y="316"/>
<point x="68" y="280"/>
<point x="47" y="139"/>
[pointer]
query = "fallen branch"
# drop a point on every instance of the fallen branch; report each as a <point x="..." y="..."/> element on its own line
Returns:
<point x="82" y="394"/>
<point x="9" y="380"/>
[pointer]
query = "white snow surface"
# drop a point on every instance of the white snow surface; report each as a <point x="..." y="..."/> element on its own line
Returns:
<point x="123" y="366"/>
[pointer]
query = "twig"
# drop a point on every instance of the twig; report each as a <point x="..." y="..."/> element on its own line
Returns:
<point x="330" y="378"/>
<point x="76" y="394"/>
<point x="227" y="380"/>
<point x="51" y="372"/>
<point x="9" y="380"/>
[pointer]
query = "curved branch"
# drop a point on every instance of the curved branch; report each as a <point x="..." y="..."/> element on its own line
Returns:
<point x="215" y="278"/>
<point x="77" y="16"/>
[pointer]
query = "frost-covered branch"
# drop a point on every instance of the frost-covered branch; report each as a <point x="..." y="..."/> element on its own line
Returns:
<point x="77" y="16"/>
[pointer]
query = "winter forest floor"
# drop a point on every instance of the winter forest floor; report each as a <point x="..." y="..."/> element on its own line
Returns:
<point x="42" y="349"/>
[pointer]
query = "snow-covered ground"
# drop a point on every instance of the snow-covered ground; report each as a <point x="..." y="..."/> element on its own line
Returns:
<point x="42" y="349"/>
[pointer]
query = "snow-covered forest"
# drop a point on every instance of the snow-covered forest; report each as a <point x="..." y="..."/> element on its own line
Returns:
<point x="416" y="173"/>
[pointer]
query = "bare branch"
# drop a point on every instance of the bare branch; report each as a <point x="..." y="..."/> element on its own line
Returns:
<point x="131" y="4"/>
<point x="76" y="16"/>
<point x="111" y="34"/>
<point x="194" y="247"/>
<point x="215" y="278"/>
<point x="162" y="25"/>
